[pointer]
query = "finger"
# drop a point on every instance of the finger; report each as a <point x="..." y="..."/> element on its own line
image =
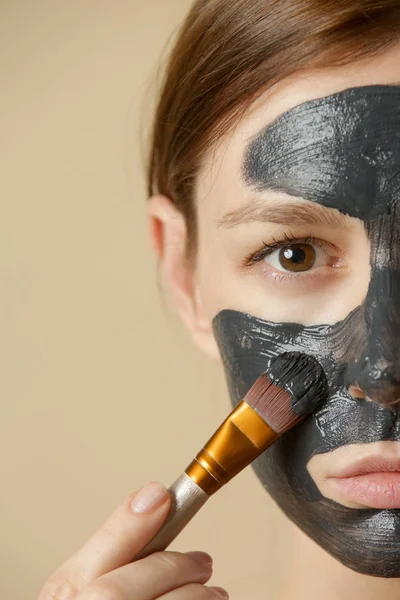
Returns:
<point x="150" y="577"/>
<point x="196" y="591"/>
<point x="122" y="536"/>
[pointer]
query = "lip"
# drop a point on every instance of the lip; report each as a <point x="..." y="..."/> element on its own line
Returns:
<point x="362" y="465"/>
<point x="360" y="475"/>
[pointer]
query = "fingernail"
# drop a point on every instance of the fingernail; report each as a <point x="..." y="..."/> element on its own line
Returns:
<point x="151" y="496"/>
<point x="220" y="592"/>
<point x="201" y="557"/>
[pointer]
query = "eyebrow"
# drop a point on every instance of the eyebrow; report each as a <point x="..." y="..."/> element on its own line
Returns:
<point x="284" y="213"/>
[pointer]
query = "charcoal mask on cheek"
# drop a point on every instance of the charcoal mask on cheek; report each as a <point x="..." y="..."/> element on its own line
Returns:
<point x="343" y="152"/>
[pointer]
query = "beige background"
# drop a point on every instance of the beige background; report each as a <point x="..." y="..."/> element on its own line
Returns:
<point x="101" y="390"/>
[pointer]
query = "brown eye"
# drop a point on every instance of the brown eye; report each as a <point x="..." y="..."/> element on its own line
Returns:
<point x="297" y="257"/>
<point x="294" y="257"/>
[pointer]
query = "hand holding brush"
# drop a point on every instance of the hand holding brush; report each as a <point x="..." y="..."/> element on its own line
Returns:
<point x="293" y="387"/>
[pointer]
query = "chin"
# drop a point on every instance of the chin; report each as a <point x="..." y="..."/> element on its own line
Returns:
<point x="364" y="540"/>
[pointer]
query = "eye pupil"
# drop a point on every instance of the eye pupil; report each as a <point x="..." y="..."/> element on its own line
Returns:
<point x="297" y="257"/>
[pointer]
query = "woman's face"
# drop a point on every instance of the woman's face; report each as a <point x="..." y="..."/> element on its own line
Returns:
<point x="299" y="249"/>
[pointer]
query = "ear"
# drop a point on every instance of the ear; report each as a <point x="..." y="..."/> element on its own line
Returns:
<point x="168" y="234"/>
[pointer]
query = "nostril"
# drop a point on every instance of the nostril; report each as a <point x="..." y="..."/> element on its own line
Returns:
<point x="386" y="396"/>
<point x="391" y="402"/>
<point x="376" y="383"/>
<point x="356" y="392"/>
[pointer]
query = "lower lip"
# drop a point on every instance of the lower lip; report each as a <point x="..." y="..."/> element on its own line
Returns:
<point x="373" y="490"/>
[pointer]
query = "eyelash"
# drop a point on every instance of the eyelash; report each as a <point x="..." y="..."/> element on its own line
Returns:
<point x="286" y="240"/>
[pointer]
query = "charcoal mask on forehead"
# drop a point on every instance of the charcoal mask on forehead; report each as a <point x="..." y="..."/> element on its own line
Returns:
<point x="343" y="152"/>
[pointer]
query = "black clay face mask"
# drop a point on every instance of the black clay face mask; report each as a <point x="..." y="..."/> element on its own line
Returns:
<point x="343" y="152"/>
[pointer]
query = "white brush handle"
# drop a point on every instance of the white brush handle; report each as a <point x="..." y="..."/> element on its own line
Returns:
<point x="186" y="500"/>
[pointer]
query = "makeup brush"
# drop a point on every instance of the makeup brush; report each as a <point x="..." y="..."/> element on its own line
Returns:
<point x="292" y="387"/>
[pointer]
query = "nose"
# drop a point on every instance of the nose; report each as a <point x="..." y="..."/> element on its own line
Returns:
<point x="377" y="372"/>
<point x="377" y="369"/>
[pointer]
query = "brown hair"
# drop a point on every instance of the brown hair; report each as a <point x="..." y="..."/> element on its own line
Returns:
<point x="228" y="52"/>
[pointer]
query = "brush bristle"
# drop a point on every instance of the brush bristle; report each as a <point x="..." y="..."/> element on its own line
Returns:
<point x="293" y="386"/>
<point x="273" y="404"/>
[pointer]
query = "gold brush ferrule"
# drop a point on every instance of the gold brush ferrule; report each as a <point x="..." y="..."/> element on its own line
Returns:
<point x="242" y="437"/>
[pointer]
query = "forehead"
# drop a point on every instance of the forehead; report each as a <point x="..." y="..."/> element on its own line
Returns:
<point x="342" y="151"/>
<point x="220" y="186"/>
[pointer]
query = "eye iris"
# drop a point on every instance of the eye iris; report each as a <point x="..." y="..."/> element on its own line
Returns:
<point x="297" y="257"/>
